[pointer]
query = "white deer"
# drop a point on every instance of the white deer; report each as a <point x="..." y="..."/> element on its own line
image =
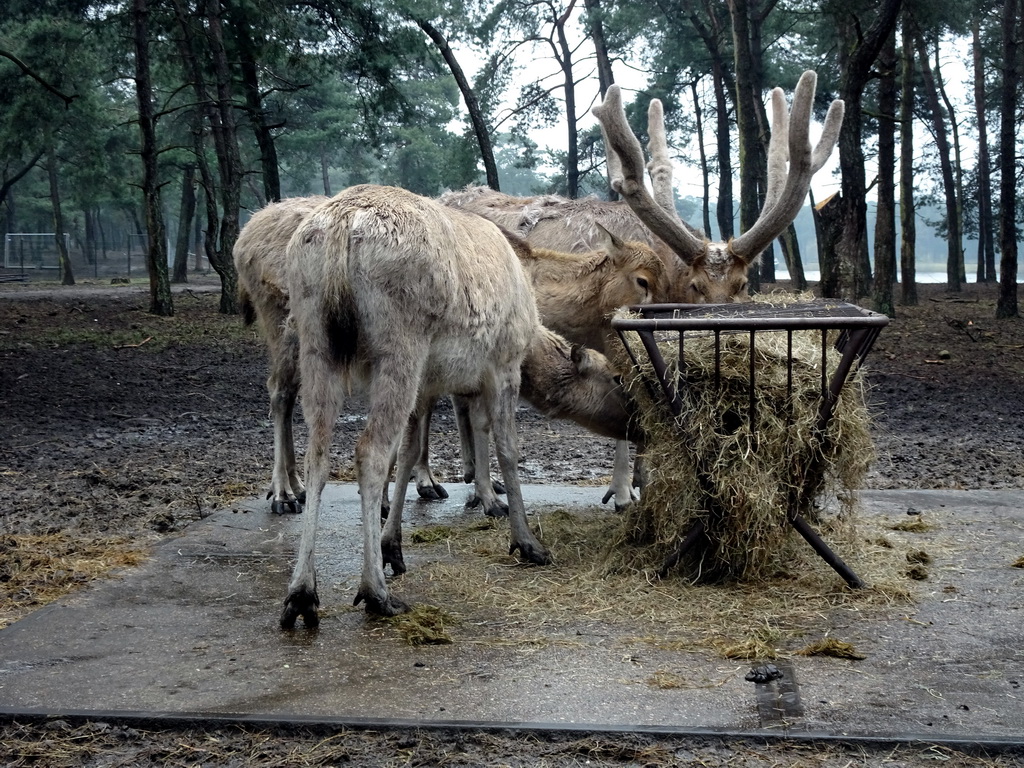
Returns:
<point x="413" y="300"/>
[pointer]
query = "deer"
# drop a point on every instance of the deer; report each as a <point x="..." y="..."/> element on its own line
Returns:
<point x="717" y="271"/>
<point x="577" y="292"/>
<point x="577" y="295"/>
<point x="411" y="300"/>
<point x="699" y="271"/>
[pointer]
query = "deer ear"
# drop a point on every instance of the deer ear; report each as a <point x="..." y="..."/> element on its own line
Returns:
<point x="578" y="355"/>
<point x="608" y="242"/>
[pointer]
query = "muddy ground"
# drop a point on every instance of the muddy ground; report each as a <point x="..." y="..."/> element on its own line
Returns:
<point x="119" y="427"/>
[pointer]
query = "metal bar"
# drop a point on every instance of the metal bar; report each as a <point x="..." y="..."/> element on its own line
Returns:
<point x="695" y="532"/>
<point x="824" y="551"/>
<point x="675" y="402"/>
<point x="742" y="323"/>
<point x="752" y="385"/>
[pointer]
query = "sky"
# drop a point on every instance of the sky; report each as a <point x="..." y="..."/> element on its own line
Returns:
<point x="955" y="63"/>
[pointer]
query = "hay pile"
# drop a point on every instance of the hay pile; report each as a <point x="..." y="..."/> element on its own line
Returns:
<point x="709" y="465"/>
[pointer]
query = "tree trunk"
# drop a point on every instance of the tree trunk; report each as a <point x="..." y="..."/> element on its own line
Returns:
<point x="986" y="239"/>
<point x="605" y="78"/>
<point x="723" y="85"/>
<point x="698" y="117"/>
<point x="186" y="212"/>
<point x="958" y="166"/>
<point x="218" y="112"/>
<point x="794" y="263"/>
<point x="885" y="221"/>
<point x="67" y="276"/>
<point x="908" y="222"/>
<point x="954" y="251"/>
<point x="828" y="225"/>
<point x="476" y="115"/>
<point x="325" y="175"/>
<point x="247" y="57"/>
<point x="1006" y="306"/>
<point x="563" y="54"/>
<point x="858" y="49"/>
<point x="229" y="164"/>
<point x="747" y="123"/>
<point x="160" y="302"/>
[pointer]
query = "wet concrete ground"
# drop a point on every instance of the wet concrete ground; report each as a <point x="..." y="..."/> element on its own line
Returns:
<point x="194" y="631"/>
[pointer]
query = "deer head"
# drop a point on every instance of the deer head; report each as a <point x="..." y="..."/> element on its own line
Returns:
<point x="718" y="271"/>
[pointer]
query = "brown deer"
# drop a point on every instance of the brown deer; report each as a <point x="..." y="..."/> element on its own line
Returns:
<point x="412" y="300"/>
<point x="717" y="271"/>
<point x="699" y="271"/>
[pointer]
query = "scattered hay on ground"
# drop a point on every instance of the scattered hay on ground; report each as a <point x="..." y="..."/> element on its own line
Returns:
<point x="913" y="525"/>
<point x="829" y="646"/>
<point x="38" y="569"/>
<point x="423" y="625"/>
<point x="498" y="600"/>
<point x="711" y="465"/>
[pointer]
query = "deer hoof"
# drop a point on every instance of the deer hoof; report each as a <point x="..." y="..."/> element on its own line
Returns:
<point x="392" y="555"/>
<point x="532" y="552"/>
<point x="289" y="506"/>
<point x="432" y="492"/>
<point x="388" y="606"/>
<point x="301" y="603"/>
<point x="499" y="487"/>
<point x="497" y="509"/>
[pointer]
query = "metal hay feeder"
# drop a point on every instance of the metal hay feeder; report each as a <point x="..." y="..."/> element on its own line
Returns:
<point x="854" y="331"/>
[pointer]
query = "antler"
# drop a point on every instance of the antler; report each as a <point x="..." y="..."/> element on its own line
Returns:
<point x="626" y="172"/>
<point x="790" y="143"/>
<point x="787" y="187"/>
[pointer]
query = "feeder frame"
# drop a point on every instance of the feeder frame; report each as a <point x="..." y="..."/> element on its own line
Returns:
<point x="858" y="329"/>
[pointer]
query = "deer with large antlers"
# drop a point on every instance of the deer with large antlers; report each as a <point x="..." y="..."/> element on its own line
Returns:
<point x="699" y="271"/>
<point x="718" y="270"/>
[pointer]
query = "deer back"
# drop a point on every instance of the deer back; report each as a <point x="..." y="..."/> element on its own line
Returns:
<point x="379" y="270"/>
<point x="259" y="256"/>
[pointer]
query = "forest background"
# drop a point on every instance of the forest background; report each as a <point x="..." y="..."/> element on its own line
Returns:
<point x="157" y="126"/>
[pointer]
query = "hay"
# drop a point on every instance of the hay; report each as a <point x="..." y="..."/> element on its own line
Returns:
<point x="501" y="602"/>
<point x="38" y="569"/>
<point x="423" y="625"/>
<point x="914" y="525"/>
<point x="836" y="649"/>
<point x="710" y="465"/>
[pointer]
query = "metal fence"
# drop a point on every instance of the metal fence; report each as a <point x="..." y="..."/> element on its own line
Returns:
<point x="34" y="255"/>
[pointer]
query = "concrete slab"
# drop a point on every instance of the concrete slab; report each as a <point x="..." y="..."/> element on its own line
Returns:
<point x="194" y="632"/>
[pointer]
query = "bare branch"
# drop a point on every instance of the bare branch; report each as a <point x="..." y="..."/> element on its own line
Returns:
<point x="38" y="78"/>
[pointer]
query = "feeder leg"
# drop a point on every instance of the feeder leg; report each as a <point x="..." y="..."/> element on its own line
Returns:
<point x="824" y="551"/>
<point x="684" y="546"/>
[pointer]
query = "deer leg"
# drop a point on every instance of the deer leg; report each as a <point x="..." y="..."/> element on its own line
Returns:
<point x="287" y="492"/>
<point x="408" y="454"/>
<point x="621" y="487"/>
<point x="393" y="388"/>
<point x="321" y="398"/>
<point x="479" y="423"/>
<point x="426" y="486"/>
<point x="507" y="447"/>
<point x="466" y="446"/>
